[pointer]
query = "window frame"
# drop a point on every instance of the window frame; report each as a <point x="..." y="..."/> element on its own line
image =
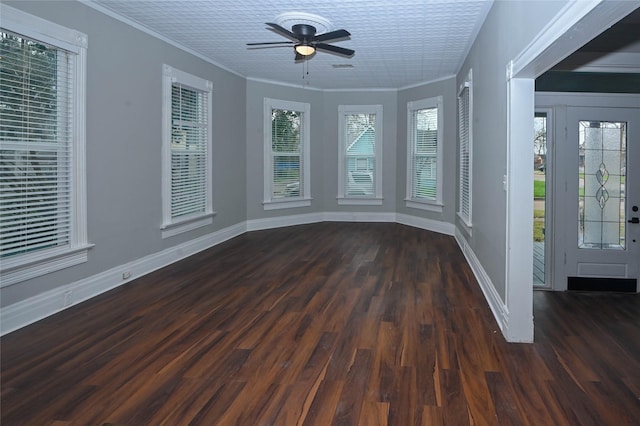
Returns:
<point x="344" y="198"/>
<point x="30" y="265"/>
<point x="465" y="146"/>
<point x="303" y="199"/>
<point x="411" y="200"/>
<point x="173" y="226"/>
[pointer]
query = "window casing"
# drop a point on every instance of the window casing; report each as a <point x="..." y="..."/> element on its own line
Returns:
<point x="186" y="153"/>
<point x="286" y="154"/>
<point x="42" y="147"/>
<point x="424" y="154"/>
<point x="465" y="135"/>
<point x="360" y="154"/>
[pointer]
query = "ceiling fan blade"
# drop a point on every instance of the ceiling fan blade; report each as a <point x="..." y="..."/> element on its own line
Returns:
<point x="282" y="30"/>
<point x="333" y="35"/>
<point x="335" y="49"/>
<point x="269" y="42"/>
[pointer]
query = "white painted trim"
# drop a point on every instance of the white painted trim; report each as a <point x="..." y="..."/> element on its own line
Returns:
<point x="519" y="205"/>
<point x="359" y="201"/>
<point x="426" y="224"/>
<point x="45" y="304"/>
<point x="571" y="14"/>
<point x="172" y="226"/>
<point x="41" y="262"/>
<point x="287" y="204"/>
<point x="498" y="308"/>
<point x="412" y="107"/>
<point x="343" y="111"/>
<point x="283" y="84"/>
<point x="424" y="205"/>
<point x="152" y="33"/>
<point x="577" y="23"/>
<point x="30" y="310"/>
<point x="40" y="29"/>
<point x="282" y="221"/>
<point x="188" y="225"/>
<point x="467" y="220"/>
<point x="619" y="62"/>
<point x="362" y="89"/>
<point x="474" y="34"/>
<point x="55" y="260"/>
<point x="358" y="217"/>
<point x="437" y="80"/>
<point x="608" y="100"/>
<point x="269" y="104"/>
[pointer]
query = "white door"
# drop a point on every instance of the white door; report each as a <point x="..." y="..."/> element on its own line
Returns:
<point x="602" y="200"/>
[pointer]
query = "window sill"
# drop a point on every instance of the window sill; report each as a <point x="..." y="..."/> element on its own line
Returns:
<point x="360" y="201"/>
<point x="175" y="228"/>
<point x="31" y="266"/>
<point x="465" y="225"/>
<point x="287" y="204"/>
<point x="424" y="205"/>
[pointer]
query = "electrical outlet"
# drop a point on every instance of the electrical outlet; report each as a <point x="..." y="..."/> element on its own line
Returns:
<point x="126" y="275"/>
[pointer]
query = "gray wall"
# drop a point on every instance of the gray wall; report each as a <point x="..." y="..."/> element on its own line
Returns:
<point x="124" y="120"/>
<point x="124" y="139"/>
<point x="508" y="29"/>
<point x="332" y="100"/>
<point x="256" y="92"/>
<point x="447" y="89"/>
<point x="324" y="146"/>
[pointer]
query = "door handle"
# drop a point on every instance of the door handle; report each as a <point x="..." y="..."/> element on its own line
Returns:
<point x="634" y="220"/>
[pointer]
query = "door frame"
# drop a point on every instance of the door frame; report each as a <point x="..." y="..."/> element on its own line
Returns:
<point x="550" y="212"/>
<point x="576" y="24"/>
<point x="559" y="103"/>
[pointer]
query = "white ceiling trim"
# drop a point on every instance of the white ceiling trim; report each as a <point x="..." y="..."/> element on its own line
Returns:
<point x="397" y="44"/>
<point x="149" y="31"/>
<point x="437" y="80"/>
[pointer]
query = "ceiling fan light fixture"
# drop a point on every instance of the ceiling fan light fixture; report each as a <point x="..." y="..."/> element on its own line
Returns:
<point x="305" y="49"/>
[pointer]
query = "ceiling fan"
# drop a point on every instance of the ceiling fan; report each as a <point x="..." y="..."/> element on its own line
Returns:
<point x="305" y="41"/>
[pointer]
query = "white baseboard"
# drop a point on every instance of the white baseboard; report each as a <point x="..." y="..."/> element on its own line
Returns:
<point x="426" y="224"/>
<point x="35" y="308"/>
<point x="282" y="221"/>
<point x="358" y="217"/>
<point x="497" y="306"/>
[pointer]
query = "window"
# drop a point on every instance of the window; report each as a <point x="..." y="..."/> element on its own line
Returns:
<point x="286" y="154"/>
<point x="186" y="152"/>
<point x="465" y="109"/>
<point x="42" y="147"/>
<point x="360" y="154"/>
<point x="424" y="154"/>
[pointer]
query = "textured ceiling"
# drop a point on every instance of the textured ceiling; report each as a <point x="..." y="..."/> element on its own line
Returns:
<point x="398" y="43"/>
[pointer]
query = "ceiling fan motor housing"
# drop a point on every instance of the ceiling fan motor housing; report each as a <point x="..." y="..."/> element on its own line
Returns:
<point x="306" y="32"/>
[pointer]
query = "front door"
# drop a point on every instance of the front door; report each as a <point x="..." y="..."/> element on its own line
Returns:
<point x="601" y="207"/>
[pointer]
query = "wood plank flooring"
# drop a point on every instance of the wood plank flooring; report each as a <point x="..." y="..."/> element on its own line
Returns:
<point x="323" y="324"/>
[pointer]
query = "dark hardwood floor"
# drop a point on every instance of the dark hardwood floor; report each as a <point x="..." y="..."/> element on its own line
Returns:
<point x="323" y="324"/>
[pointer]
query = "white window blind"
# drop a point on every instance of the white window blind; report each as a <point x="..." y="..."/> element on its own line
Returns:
<point x="424" y="160"/>
<point x="189" y="141"/>
<point x="36" y="135"/>
<point x="186" y="156"/>
<point x="43" y="224"/>
<point x="464" y="123"/>
<point x="286" y="153"/>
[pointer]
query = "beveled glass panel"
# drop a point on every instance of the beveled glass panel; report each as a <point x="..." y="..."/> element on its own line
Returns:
<point x="611" y="138"/>
<point x="601" y="214"/>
